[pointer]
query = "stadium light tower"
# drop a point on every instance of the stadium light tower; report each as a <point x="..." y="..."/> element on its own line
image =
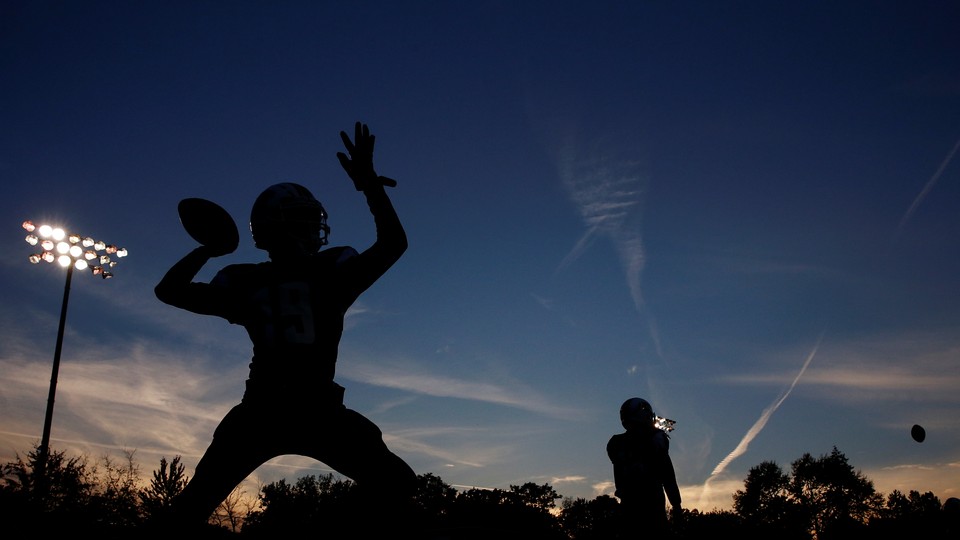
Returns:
<point x="69" y="251"/>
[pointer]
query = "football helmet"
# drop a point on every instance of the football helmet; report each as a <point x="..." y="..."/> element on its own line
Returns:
<point x="287" y="216"/>
<point x="636" y="412"/>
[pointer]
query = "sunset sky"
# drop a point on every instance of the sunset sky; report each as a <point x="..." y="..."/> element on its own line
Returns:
<point x="746" y="212"/>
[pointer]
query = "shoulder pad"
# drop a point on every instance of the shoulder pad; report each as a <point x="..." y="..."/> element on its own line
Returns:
<point x="661" y="440"/>
<point x="338" y="255"/>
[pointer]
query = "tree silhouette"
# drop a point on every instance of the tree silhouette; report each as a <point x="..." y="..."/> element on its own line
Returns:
<point x="434" y="497"/>
<point x="834" y="498"/>
<point x="821" y="498"/>
<point x="115" y="499"/>
<point x="232" y="511"/>
<point x="916" y="515"/>
<point x="914" y="505"/>
<point x="312" y="504"/>
<point x="166" y="484"/>
<point x="523" y="511"/>
<point x="540" y="496"/>
<point x="765" y="497"/>
<point x="694" y="525"/>
<point x="43" y="502"/>
<point x="581" y="519"/>
<point x="765" y="504"/>
<point x="71" y="495"/>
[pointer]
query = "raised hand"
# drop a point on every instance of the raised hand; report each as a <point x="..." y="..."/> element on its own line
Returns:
<point x="359" y="164"/>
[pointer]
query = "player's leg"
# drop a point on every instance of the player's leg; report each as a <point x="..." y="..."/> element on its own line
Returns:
<point x="385" y="484"/>
<point x="357" y="450"/>
<point x="236" y="451"/>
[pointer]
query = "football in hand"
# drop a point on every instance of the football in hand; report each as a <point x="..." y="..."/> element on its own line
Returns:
<point x="208" y="223"/>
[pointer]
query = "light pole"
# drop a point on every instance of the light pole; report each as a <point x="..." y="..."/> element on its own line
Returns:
<point x="69" y="251"/>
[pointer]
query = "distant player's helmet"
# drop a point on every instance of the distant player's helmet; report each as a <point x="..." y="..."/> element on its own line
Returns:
<point x="288" y="216"/>
<point x="951" y="508"/>
<point x="635" y="413"/>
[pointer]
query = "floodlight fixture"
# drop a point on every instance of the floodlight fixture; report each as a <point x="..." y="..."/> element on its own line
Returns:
<point x="68" y="251"/>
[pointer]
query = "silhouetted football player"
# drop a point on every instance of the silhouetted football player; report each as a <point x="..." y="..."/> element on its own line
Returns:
<point x="292" y="307"/>
<point x="642" y="471"/>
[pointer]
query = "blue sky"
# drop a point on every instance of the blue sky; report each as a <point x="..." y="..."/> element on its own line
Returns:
<point x="745" y="212"/>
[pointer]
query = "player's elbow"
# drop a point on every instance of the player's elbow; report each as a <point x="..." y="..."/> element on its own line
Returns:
<point x="165" y="293"/>
<point x="161" y="293"/>
<point x="397" y="243"/>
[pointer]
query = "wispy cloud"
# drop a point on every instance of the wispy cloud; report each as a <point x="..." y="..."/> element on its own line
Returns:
<point x="150" y="400"/>
<point x="901" y="378"/>
<point x="605" y="487"/>
<point x="717" y="496"/>
<point x="558" y="480"/>
<point x="936" y="477"/>
<point x="922" y="366"/>
<point x="411" y="377"/>
<point x="146" y="400"/>
<point x="609" y="194"/>
<point x="164" y="397"/>
<point x="460" y="446"/>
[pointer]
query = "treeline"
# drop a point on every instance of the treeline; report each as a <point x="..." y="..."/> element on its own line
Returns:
<point x="819" y="498"/>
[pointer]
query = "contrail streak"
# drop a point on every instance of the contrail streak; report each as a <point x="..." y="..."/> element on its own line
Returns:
<point x="759" y="424"/>
<point x="578" y="249"/>
<point x="926" y="189"/>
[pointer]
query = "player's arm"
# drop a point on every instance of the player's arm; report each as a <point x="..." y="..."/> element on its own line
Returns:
<point x="667" y="474"/>
<point x="391" y="239"/>
<point x="178" y="289"/>
<point x="670" y="485"/>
